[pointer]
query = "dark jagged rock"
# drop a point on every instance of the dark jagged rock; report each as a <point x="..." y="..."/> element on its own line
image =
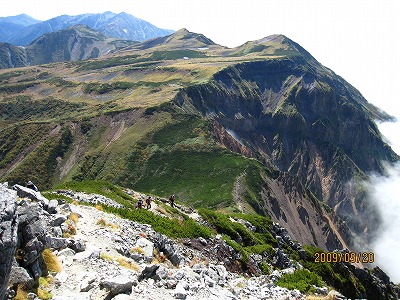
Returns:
<point x="168" y="247"/>
<point x="8" y="235"/>
<point x="56" y="243"/>
<point x="77" y="245"/>
<point x="20" y="275"/>
<point x="117" y="285"/>
<point x="149" y="272"/>
<point x="33" y="250"/>
<point x="377" y="284"/>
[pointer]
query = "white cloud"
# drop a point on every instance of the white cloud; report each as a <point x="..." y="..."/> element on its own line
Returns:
<point x="385" y="194"/>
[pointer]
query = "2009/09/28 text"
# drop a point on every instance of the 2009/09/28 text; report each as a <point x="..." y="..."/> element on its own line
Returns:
<point x="347" y="257"/>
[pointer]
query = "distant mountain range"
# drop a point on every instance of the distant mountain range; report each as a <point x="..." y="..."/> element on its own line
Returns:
<point x="74" y="43"/>
<point x="21" y="30"/>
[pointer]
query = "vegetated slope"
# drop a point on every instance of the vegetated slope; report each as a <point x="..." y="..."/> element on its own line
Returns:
<point x="12" y="56"/>
<point x="74" y="43"/>
<point x="121" y="26"/>
<point x="255" y="132"/>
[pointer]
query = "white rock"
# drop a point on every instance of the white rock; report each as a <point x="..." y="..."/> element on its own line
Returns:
<point x="146" y="245"/>
<point x="180" y="274"/>
<point x="61" y="277"/>
<point x="335" y="295"/>
<point x="122" y="297"/>
<point x="180" y="293"/>
<point x="162" y="272"/>
<point x="183" y="284"/>
<point x="88" y="282"/>
<point x="69" y="295"/>
<point x="288" y="271"/>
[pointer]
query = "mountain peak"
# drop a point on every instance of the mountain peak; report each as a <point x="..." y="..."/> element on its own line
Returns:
<point x="21" y="19"/>
<point x="196" y="38"/>
<point x="272" y="45"/>
<point x="182" y="31"/>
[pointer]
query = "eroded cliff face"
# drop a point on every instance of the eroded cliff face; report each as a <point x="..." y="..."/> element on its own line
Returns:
<point x="299" y="118"/>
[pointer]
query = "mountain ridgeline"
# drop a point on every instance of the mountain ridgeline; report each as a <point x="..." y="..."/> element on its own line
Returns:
<point x="262" y="128"/>
<point x="74" y="43"/>
<point x="22" y="30"/>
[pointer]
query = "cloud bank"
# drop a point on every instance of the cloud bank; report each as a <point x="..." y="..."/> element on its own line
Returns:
<point x="384" y="191"/>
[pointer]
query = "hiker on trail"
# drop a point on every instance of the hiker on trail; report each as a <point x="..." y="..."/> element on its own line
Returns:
<point x="31" y="186"/>
<point x="140" y="203"/>
<point x="148" y="202"/>
<point x="171" y="200"/>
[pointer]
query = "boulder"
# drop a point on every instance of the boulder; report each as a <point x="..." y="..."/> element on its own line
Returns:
<point x="28" y="213"/>
<point x="35" y="269"/>
<point x="78" y="245"/>
<point x="56" y="243"/>
<point x="25" y="192"/>
<point x="180" y="292"/>
<point x="33" y="249"/>
<point x="57" y="232"/>
<point x="88" y="282"/>
<point x="168" y="247"/>
<point x="19" y="275"/>
<point x="161" y="273"/>
<point x="52" y="207"/>
<point x="67" y="252"/>
<point x="149" y="272"/>
<point x="37" y="229"/>
<point x="117" y="285"/>
<point x="334" y="295"/>
<point x="58" y="220"/>
<point x="146" y="245"/>
<point x="8" y="234"/>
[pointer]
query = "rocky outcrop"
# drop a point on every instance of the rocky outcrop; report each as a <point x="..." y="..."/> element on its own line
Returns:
<point x="8" y="234"/>
<point x="30" y="225"/>
<point x="25" y="192"/>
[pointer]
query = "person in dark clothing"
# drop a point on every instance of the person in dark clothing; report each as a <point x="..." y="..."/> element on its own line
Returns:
<point x="31" y="186"/>
<point x="148" y="202"/>
<point x="140" y="203"/>
<point x="172" y="200"/>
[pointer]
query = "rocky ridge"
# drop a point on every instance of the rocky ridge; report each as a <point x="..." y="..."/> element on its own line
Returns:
<point x="8" y="234"/>
<point x="103" y="256"/>
<point x="113" y="258"/>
